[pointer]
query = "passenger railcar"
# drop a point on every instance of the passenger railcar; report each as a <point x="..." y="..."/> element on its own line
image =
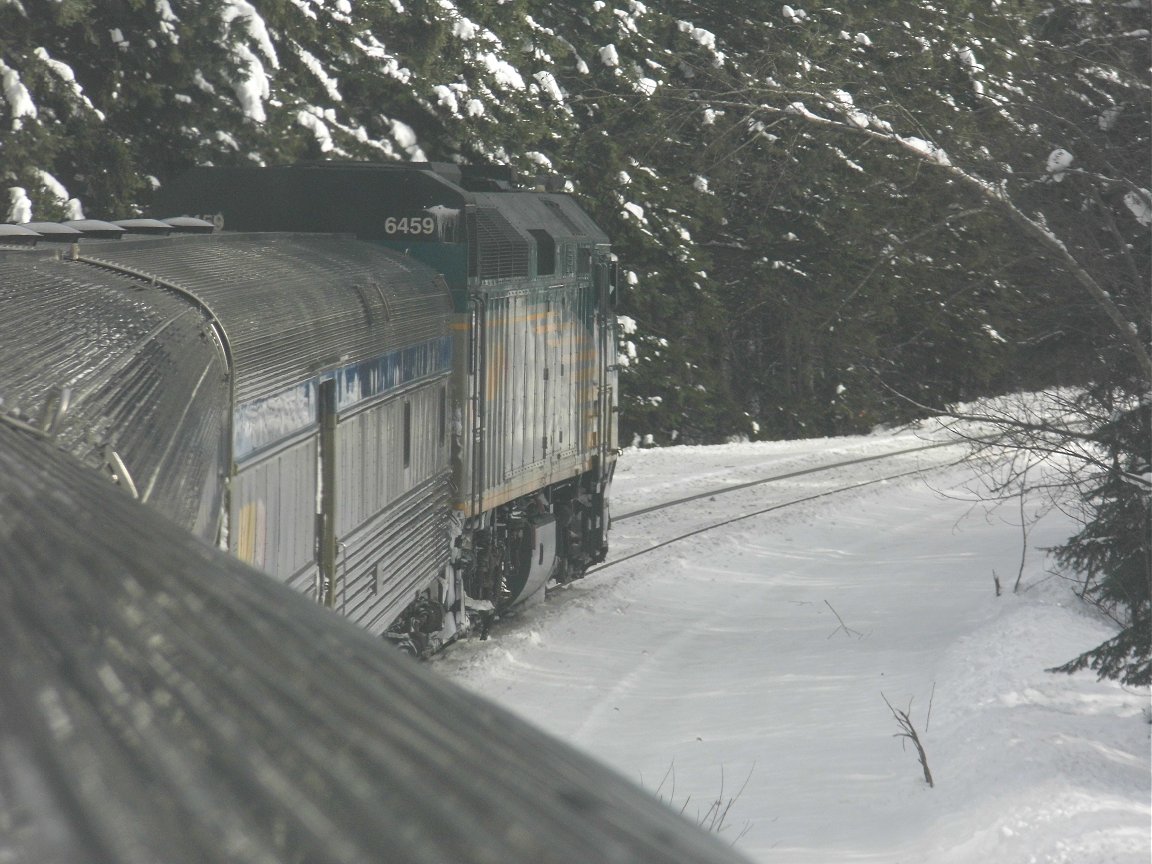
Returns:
<point x="410" y="416"/>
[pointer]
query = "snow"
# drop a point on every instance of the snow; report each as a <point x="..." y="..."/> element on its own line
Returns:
<point x="19" y="205"/>
<point x="549" y="85"/>
<point x="926" y="149"/>
<point x="854" y="116"/>
<point x="64" y="72"/>
<point x="203" y="83"/>
<point x="646" y="86"/>
<point x="14" y="92"/>
<point x="227" y="140"/>
<point x="704" y="38"/>
<point x="1059" y="161"/>
<point x="389" y="65"/>
<point x="254" y="87"/>
<point x="1140" y="206"/>
<point x="405" y="136"/>
<point x="801" y="110"/>
<point x="502" y="71"/>
<point x="968" y="58"/>
<point x="55" y="187"/>
<point x="246" y="14"/>
<point x="446" y="98"/>
<point x="72" y="207"/>
<point x="168" y="21"/>
<point x="635" y="211"/>
<point x="463" y="28"/>
<point x="760" y="654"/>
<point x="330" y="84"/>
<point x="312" y="121"/>
<point x="993" y="334"/>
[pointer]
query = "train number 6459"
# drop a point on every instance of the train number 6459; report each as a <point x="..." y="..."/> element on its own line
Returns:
<point x="410" y="225"/>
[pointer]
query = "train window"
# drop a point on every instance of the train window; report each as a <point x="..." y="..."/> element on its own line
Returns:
<point x="545" y="252"/>
<point x="584" y="260"/>
<point x="407" y="434"/>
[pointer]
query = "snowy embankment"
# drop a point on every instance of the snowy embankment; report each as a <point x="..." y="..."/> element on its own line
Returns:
<point x="752" y="663"/>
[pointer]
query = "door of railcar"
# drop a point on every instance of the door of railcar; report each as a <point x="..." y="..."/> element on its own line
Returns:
<point x="326" y="518"/>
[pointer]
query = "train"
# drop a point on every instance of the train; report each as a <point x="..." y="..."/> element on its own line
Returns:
<point x="392" y="387"/>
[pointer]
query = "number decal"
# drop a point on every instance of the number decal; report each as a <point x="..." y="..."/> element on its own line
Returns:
<point x="412" y="226"/>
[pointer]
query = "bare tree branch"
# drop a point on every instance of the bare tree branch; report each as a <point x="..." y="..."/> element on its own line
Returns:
<point x="909" y="733"/>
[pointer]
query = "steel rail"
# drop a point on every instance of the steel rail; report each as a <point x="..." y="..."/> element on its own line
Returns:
<point x="778" y="506"/>
<point x="815" y="470"/>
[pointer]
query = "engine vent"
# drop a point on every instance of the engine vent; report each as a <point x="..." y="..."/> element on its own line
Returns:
<point x="496" y="250"/>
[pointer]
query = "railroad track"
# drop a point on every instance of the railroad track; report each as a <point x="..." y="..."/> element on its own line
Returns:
<point x="780" y="505"/>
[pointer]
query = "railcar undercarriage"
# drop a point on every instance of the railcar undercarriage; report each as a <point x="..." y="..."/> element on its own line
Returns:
<point x="506" y="556"/>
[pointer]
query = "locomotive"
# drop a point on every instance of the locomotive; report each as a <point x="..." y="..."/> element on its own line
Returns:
<point x="392" y="387"/>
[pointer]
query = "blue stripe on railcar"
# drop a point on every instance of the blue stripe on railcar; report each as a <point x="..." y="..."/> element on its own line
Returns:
<point x="260" y="424"/>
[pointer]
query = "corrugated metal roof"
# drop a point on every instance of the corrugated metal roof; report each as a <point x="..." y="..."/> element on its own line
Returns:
<point x="292" y="305"/>
<point x="140" y="376"/>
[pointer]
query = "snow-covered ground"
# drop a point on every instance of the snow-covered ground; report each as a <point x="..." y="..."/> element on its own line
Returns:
<point x="751" y="664"/>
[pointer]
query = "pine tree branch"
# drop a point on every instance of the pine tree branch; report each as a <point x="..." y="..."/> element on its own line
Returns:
<point x="930" y="155"/>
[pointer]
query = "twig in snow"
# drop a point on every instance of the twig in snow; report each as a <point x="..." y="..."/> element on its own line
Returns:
<point x="909" y="733"/>
<point x="714" y="818"/>
<point x="848" y="631"/>
<point x="1023" y="532"/>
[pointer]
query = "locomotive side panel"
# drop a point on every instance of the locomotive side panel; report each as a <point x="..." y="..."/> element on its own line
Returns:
<point x="539" y="360"/>
<point x="537" y="401"/>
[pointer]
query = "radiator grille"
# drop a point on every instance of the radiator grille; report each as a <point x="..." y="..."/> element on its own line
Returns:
<point x="496" y="249"/>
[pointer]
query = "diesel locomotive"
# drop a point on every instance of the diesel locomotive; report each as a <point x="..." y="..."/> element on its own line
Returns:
<point x="389" y="386"/>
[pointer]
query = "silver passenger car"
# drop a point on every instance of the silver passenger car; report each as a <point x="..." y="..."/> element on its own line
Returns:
<point x="283" y="395"/>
